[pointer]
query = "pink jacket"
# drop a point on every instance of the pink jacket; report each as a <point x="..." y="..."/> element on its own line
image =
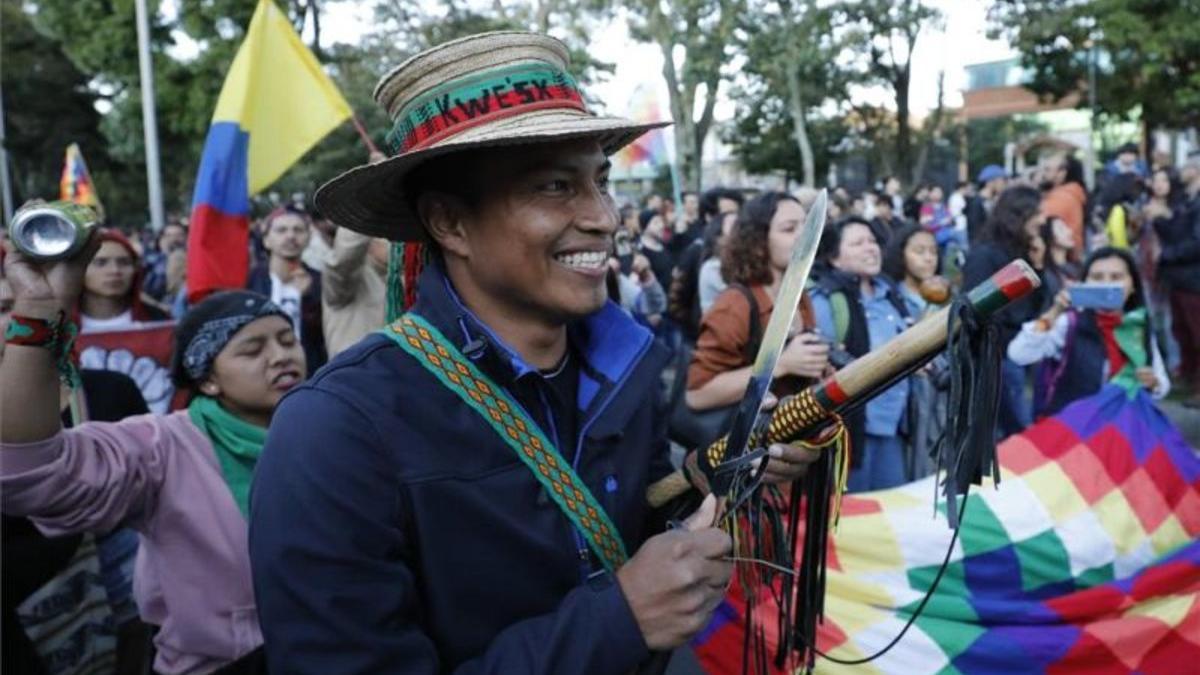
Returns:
<point x="157" y="474"/>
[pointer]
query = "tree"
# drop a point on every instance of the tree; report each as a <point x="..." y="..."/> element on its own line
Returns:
<point x="700" y="31"/>
<point x="91" y="47"/>
<point x="790" y="46"/>
<point x="763" y="138"/>
<point x="986" y="138"/>
<point x="99" y="39"/>
<point x="1147" y="53"/>
<point x="415" y="25"/>
<point x="932" y="132"/>
<point x="891" y="28"/>
<point x="50" y="106"/>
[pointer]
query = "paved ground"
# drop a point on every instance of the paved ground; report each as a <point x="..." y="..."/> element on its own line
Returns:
<point x="1187" y="419"/>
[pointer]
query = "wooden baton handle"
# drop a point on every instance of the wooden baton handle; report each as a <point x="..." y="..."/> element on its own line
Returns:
<point x="799" y="416"/>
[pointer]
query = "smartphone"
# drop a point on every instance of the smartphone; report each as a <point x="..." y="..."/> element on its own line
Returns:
<point x="1097" y="296"/>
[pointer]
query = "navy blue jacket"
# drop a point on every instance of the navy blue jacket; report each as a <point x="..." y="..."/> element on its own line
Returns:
<point x="985" y="259"/>
<point x="312" y="330"/>
<point x="1179" y="262"/>
<point x="392" y="531"/>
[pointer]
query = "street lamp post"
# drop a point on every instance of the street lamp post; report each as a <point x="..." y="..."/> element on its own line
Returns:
<point x="1090" y="177"/>
<point x="5" y="184"/>
<point x="149" y="119"/>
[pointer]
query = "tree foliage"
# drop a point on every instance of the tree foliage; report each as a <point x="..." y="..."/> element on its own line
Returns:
<point x="987" y="137"/>
<point x="791" y="70"/>
<point x="98" y="38"/>
<point x="90" y="46"/>
<point x="1148" y="53"/>
<point x="890" y="29"/>
<point x="763" y="139"/>
<point x="48" y="106"/>
<point x="700" y="31"/>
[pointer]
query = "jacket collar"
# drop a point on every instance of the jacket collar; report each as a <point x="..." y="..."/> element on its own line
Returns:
<point x="610" y="342"/>
<point x="836" y="280"/>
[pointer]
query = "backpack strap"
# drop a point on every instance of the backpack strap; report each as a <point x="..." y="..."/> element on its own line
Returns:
<point x="1059" y="367"/>
<point x="512" y="424"/>
<point x="751" y="349"/>
<point x="840" y="307"/>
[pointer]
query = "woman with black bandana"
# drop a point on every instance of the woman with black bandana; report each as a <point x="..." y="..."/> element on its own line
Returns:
<point x="181" y="480"/>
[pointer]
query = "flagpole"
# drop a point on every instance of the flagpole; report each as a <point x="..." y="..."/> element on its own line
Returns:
<point x="149" y="119"/>
<point x="362" y="133"/>
<point x="5" y="184"/>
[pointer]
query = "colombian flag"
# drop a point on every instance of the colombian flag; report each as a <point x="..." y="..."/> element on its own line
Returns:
<point x="276" y="104"/>
<point x="76" y="183"/>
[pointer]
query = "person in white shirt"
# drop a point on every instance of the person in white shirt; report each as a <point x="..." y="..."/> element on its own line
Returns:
<point x="1084" y="349"/>
<point x="289" y="282"/>
<point x="111" y="298"/>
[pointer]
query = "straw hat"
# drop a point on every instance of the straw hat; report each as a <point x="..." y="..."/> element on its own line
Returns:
<point x="492" y="89"/>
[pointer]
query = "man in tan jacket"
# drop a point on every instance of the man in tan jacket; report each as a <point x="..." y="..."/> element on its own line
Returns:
<point x="354" y="290"/>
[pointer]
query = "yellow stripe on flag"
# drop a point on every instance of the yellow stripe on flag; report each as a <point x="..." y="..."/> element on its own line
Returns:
<point x="277" y="92"/>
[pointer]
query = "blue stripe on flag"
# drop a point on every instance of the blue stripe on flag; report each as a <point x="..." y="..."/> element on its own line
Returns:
<point x="222" y="182"/>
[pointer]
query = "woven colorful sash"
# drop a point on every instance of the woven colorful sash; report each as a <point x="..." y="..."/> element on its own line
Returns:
<point x="439" y="356"/>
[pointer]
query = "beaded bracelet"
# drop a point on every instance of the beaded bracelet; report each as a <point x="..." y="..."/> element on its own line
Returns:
<point x="56" y="335"/>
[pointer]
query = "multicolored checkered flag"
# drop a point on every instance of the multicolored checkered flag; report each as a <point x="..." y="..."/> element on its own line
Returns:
<point x="76" y="185"/>
<point x="1085" y="559"/>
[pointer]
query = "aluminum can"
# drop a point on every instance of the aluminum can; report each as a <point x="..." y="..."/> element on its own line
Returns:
<point x="52" y="230"/>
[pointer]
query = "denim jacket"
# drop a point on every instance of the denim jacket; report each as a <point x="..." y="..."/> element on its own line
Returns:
<point x="884" y="322"/>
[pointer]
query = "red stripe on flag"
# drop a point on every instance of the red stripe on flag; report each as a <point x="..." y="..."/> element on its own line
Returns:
<point x="218" y="252"/>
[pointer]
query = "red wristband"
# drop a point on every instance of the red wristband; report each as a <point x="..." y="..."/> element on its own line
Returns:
<point x="33" y="332"/>
<point x="56" y="335"/>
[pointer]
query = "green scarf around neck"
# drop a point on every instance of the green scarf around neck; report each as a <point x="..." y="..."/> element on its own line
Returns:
<point x="1131" y="338"/>
<point x="236" y="442"/>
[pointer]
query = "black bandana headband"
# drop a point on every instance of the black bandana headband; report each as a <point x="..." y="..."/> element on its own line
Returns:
<point x="210" y="325"/>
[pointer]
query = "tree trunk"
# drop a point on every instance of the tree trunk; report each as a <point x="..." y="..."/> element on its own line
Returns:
<point x="701" y="131"/>
<point x="1149" y="124"/>
<point x="903" y="132"/>
<point x="681" y="112"/>
<point x="542" y="15"/>
<point x="935" y="131"/>
<point x="800" y="126"/>
<point x="316" y="18"/>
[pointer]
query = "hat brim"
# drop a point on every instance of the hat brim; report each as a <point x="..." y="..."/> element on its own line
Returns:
<point x="371" y="199"/>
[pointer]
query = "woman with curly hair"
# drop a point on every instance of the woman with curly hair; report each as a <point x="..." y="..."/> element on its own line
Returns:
<point x="753" y="261"/>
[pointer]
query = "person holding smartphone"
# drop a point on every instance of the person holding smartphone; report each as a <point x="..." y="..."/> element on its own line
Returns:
<point x="1106" y="342"/>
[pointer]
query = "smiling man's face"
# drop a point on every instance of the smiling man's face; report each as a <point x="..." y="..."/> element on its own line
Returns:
<point x="537" y="238"/>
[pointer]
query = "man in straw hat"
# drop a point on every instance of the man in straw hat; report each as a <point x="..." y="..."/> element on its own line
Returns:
<point x="466" y="488"/>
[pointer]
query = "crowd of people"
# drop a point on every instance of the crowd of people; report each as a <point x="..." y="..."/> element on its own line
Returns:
<point x="887" y="260"/>
<point x="701" y="277"/>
